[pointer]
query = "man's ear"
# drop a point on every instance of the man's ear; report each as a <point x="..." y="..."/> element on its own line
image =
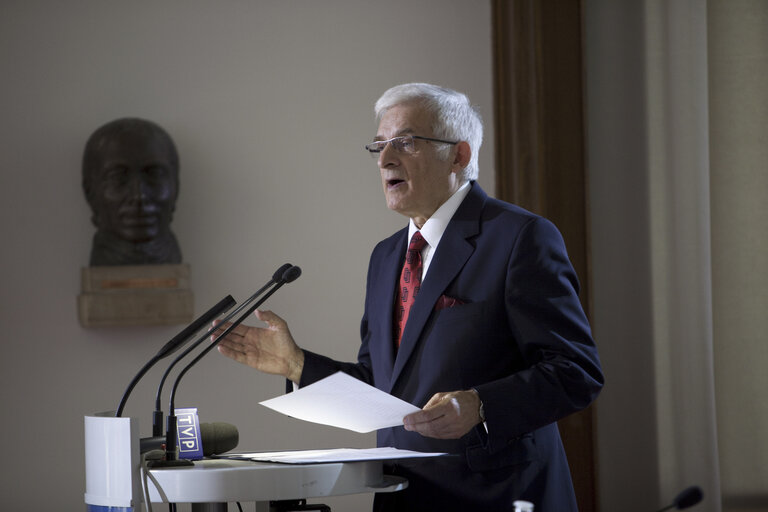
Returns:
<point x="462" y="157"/>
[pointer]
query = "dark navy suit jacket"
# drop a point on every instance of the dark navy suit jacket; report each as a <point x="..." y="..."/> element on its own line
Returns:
<point x="514" y="331"/>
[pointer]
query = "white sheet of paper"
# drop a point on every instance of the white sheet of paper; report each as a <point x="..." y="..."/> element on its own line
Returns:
<point x="345" y="402"/>
<point x="332" y="455"/>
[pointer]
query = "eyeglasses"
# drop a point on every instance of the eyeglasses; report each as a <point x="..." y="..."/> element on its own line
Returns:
<point x="402" y="144"/>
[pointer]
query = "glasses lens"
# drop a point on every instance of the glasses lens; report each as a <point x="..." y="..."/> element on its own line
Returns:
<point x="404" y="144"/>
<point x="374" y="148"/>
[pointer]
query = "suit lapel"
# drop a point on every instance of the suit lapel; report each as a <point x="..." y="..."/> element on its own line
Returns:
<point x="451" y="255"/>
<point x="384" y="301"/>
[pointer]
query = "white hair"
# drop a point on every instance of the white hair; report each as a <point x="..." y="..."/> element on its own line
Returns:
<point x="453" y="116"/>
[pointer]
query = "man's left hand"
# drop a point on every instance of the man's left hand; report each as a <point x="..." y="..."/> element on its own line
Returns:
<point x="446" y="415"/>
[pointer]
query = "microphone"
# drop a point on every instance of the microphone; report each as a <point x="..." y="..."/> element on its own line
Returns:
<point x="176" y="343"/>
<point x="288" y="276"/>
<point x="215" y="438"/>
<point x="157" y="415"/>
<point x="218" y="438"/>
<point x="687" y="498"/>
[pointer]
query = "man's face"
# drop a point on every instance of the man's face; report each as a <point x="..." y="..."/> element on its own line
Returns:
<point x="415" y="185"/>
<point x="135" y="187"/>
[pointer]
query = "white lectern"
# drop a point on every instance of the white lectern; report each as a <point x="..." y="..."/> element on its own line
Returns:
<point x="114" y="479"/>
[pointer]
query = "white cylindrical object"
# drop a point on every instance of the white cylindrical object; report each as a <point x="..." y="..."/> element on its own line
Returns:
<point x="112" y="461"/>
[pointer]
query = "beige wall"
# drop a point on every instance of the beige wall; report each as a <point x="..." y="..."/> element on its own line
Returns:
<point x="270" y="103"/>
<point x="738" y="48"/>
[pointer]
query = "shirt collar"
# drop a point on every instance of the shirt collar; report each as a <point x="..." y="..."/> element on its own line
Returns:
<point x="435" y="226"/>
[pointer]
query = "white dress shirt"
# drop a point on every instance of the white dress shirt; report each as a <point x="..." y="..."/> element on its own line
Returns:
<point x="434" y="227"/>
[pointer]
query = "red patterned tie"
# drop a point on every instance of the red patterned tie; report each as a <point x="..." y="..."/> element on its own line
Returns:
<point x="410" y="281"/>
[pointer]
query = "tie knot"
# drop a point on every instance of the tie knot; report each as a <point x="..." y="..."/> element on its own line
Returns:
<point x="417" y="242"/>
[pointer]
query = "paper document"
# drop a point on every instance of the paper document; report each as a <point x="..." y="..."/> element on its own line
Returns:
<point x="345" y="402"/>
<point x="329" y="456"/>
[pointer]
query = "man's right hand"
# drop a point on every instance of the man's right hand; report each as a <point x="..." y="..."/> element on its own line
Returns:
<point x="270" y="349"/>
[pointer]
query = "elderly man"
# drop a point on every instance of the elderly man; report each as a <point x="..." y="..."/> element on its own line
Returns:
<point x="471" y="311"/>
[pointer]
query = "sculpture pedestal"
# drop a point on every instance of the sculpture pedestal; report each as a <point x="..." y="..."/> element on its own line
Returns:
<point x="129" y="295"/>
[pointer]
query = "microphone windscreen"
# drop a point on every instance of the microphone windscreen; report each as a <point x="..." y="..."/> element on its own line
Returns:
<point x="278" y="275"/>
<point x="291" y="274"/>
<point x="218" y="438"/>
<point x="689" y="497"/>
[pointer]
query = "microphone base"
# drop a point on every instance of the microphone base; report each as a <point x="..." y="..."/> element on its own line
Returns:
<point x="178" y="463"/>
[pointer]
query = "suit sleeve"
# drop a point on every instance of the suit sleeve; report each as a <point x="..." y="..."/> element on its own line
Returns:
<point x="317" y="366"/>
<point x="562" y="371"/>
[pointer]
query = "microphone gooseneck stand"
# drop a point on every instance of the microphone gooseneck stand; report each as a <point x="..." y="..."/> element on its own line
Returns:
<point x="289" y="275"/>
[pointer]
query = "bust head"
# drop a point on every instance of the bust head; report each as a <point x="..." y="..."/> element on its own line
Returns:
<point x="130" y="179"/>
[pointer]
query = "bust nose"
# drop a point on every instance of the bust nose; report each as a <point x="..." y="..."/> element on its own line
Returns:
<point x="138" y="188"/>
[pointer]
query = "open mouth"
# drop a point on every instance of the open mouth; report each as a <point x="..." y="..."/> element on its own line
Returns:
<point x="394" y="183"/>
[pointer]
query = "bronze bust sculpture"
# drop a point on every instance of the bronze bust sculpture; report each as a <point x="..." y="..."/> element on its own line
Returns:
<point x="131" y="182"/>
